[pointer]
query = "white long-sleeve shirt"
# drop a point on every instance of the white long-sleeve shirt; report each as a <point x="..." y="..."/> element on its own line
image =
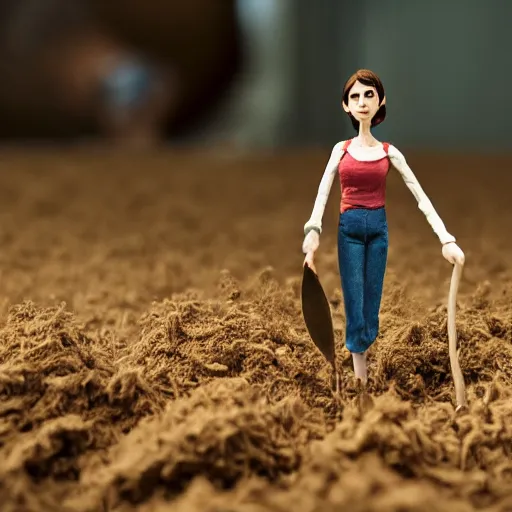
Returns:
<point x="374" y="153"/>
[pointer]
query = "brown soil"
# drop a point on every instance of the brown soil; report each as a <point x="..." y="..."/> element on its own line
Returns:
<point x="153" y="354"/>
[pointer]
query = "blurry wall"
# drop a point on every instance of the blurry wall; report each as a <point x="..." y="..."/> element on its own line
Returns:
<point x="258" y="110"/>
<point x="445" y="65"/>
<point x="447" y="68"/>
<point x="273" y="70"/>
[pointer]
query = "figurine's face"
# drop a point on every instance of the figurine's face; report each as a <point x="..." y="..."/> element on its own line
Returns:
<point x="363" y="102"/>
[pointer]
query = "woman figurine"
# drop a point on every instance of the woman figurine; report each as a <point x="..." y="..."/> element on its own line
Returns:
<point x="363" y="164"/>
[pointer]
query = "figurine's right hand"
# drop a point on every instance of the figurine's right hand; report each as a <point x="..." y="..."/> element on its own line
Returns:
<point x="311" y="242"/>
<point x="309" y="246"/>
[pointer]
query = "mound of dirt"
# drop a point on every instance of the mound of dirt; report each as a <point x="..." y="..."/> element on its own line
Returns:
<point x="61" y="398"/>
<point x="415" y="358"/>
<point x="256" y="334"/>
<point x="226" y="430"/>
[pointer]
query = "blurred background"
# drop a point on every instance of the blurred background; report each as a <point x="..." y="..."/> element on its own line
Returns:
<point x="253" y="73"/>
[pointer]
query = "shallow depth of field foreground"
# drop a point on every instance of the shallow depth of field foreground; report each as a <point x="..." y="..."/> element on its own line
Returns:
<point x="153" y="354"/>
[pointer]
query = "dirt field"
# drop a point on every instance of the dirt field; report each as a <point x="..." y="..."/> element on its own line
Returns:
<point x="153" y="354"/>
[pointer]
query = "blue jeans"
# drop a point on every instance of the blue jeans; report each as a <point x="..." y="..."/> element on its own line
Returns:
<point x="362" y="258"/>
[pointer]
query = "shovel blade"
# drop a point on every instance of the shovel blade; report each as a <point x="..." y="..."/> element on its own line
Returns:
<point x="317" y="314"/>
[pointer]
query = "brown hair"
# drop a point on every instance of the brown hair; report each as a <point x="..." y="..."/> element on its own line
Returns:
<point x="366" y="77"/>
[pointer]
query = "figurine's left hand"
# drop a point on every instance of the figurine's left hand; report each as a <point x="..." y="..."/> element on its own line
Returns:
<point x="453" y="253"/>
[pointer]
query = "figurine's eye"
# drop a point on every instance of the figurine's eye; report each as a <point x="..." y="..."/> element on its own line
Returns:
<point x="369" y="94"/>
<point x="354" y="96"/>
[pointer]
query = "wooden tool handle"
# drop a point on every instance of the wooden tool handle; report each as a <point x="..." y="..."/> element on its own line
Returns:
<point x="458" y="379"/>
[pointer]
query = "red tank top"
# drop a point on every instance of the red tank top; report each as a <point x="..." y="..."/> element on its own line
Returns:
<point x="363" y="184"/>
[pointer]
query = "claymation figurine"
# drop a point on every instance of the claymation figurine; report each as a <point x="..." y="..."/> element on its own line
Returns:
<point x="363" y="164"/>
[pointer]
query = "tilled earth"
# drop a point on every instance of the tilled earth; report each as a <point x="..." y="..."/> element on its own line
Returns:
<point x="153" y="354"/>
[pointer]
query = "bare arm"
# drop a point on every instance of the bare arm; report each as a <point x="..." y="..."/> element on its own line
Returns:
<point x="315" y="221"/>
<point x="424" y="204"/>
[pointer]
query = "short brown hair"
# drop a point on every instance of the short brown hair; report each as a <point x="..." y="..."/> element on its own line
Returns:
<point x="366" y="77"/>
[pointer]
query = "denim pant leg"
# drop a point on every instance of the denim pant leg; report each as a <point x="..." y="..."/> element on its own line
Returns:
<point x="376" y="260"/>
<point x="351" y="259"/>
<point x="362" y="257"/>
